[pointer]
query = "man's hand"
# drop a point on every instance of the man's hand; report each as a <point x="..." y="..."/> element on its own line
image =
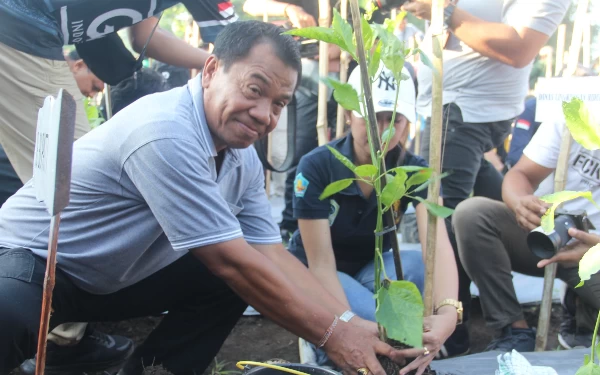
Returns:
<point x="420" y="8"/>
<point x="529" y="211"/>
<point x="351" y="347"/>
<point x="298" y="17"/>
<point x="571" y="254"/>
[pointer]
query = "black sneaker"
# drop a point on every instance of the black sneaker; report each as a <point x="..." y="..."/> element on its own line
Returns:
<point x="571" y="337"/>
<point x="519" y="339"/>
<point x="96" y="351"/>
<point x="458" y="344"/>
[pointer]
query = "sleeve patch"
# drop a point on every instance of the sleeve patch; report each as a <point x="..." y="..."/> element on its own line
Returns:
<point x="300" y="185"/>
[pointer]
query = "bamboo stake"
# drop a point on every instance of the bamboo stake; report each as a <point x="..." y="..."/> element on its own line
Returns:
<point x="560" y="48"/>
<point x="575" y="48"/>
<point x="324" y="10"/>
<point x="587" y="39"/>
<point x="344" y="62"/>
<point x="372" y="129"/>
<point x="435" y="147"/>
<point x="49" y="282"/>
<point x="549" y="61"/>
<point x="560" y="179"/>
<point x="107" y="102"/>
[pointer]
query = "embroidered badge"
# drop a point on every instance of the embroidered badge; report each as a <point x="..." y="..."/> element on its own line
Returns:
<point x="334" y="208"/>
<point x="300" y="185"/>
<point x="523" y="124"/>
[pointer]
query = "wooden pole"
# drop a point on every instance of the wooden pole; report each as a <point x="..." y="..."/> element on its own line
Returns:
<point x="324" y="11"/>
<point x="389" y="218"/>
<point x="549" y="60"/>
<point x="344" y="63"/>
<point x="560" y="179"/>
<point x="195" y="42"/>
<point x="575" y="48"/>
<point x="107" y="102"/>
<point x="435" y="146"/>
<point x="587" y="42"/>
<point x="560" y="48"/>
<point x="49" y="281"/>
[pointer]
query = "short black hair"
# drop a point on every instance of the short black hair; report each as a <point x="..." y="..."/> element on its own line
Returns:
<point x="73" y="55"/>
<point x="144" y="82"/>
<point x="237" y="39"/>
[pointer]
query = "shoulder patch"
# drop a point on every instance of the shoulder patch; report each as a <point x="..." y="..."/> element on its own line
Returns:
<point x="300" y="185"/>
<point x="334" y="209"/>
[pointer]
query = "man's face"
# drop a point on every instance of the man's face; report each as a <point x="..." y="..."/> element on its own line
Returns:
<point x="243" y="104"/>
<point x="87" y="82"/>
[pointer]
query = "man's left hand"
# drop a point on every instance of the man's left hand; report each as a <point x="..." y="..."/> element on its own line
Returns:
<point x="571" y="254"/>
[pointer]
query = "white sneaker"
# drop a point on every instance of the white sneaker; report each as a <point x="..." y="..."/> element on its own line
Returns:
<point x="308" y="355"/>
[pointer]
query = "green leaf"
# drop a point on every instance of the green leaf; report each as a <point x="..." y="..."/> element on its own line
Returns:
<point x="400" y="312"/>
<point x="426" y="184"/>
<point x="394" y="190"/>
<point x="556" y="199"/>
<point x="388" y="134"/>
<point x="407" y="168"/>
<point x="590" y="369"/>
<point x="586" y="359"/>
<point x="344" y="160"/>
<point x="419" y="177"/>
<point x="392" y="56"/>
<point x="426" y="61"/>
<point x="435" y="209"/>
<point x="368" y="35"/>
<point x="344" y="94"/>
<point x="581" y="123"/>
<point x="366" y="170"/>
<point x="589" y="264"/>
<point x="324" y="34"/>
<point x="335" y="187"/>
<point x="344" y="31"/>
<point x="375" y="60"/>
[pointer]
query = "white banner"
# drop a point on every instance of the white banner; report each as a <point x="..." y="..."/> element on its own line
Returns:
<point x="552" y="92"/>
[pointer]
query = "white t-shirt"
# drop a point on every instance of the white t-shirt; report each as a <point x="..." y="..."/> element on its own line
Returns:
<point x="485" y="89"/>
<point x="583" y="173"/>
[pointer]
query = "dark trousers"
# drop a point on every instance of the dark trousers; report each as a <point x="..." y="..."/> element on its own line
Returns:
<point x="202" y="311"/>
<point x="306" y="141"/>
<point x="491" y="245"/>
<point x="463" y="146"/>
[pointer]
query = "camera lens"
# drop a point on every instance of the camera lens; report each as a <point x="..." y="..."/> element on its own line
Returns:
<point x="545" y="245"/>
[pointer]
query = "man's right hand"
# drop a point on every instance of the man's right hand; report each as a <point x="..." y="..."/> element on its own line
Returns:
<point x="351" y="347"/>
<point x="298" y="17"/>
<point x="529" y="211"/>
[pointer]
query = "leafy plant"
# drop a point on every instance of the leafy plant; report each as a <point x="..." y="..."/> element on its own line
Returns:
<point x="586" y="131"/>
<point x="219" y="369"/>
<point x="93" y="115"/>
<point x="399" y="304"/>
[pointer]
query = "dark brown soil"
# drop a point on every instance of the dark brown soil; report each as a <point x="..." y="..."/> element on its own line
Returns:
<point x="258" y="339"/>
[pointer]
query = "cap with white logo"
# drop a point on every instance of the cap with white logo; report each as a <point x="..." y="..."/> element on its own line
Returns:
<point x="384" y="92"/>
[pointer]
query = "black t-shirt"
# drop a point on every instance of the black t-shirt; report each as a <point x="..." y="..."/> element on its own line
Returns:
<point x="352" y="217"/>
<point x="41" y="28"/>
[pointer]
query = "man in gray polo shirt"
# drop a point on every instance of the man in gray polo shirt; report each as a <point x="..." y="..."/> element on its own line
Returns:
<point x="168" y="212"/>
<point x="488" y="54"/>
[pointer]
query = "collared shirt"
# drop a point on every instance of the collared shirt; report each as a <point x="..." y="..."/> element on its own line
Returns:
<point x="145" y="190"/>
<point x="352" y="217"/>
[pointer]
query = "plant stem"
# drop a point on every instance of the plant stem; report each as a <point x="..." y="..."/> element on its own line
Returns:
<point x="594" y="337"/>
<point x="435" y="146"/>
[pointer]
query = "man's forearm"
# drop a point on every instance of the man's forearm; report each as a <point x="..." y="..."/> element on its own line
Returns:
<point x="165" y="47"/>
<point x="495" y="40"/>
<point x="299" y="275"/>
<point x="516" y="185"/>
<point x="262" y="284"/>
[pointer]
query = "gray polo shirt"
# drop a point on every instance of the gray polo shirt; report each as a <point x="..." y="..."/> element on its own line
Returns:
<point x="145" y="190"/>
<point x="485" y="89"/>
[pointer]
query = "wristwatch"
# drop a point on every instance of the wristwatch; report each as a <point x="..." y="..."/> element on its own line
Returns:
<point x="347" y="315"/>
<point x="448" y="11"/>
<point x="455" y="303"/>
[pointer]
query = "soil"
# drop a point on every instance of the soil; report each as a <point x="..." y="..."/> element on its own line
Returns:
<point x="258" y="339"/>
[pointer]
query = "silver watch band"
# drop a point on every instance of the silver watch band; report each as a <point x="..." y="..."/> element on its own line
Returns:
<point x="347" y="315"/>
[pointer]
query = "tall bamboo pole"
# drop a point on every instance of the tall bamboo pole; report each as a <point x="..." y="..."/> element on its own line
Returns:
<point x="560" y="179"/>
<point x="560" y="48"/>
<point x="587" y="42"/>
<point x="580" y="15"/>
<point x="324" y="11"/>
<point x="435" y="146"/>
<point x="344" y="62"/>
